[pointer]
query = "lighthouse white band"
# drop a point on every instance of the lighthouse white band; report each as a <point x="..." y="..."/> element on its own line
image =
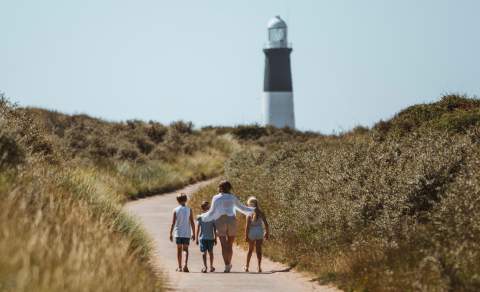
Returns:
<point x="278" y="109"/>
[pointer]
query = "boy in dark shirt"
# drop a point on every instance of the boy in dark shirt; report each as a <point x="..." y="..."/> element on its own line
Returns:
<point x="206" y="232"/>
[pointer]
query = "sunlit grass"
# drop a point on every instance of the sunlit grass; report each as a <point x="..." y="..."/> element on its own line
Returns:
<point x="394" y="208"/>
<point x="59" y="234"/>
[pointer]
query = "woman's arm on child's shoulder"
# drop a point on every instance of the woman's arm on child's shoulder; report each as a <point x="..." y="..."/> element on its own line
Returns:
<point x="174" y="219"/>
<point x="208" y="216"/>
<point x="242" y="208"/>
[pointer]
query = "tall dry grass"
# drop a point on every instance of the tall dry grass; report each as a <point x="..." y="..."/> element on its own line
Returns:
<point x="63" y="180"/>
<point x="58" y="233"/>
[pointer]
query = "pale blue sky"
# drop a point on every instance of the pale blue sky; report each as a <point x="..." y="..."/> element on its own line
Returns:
<point x="354" y="62"/>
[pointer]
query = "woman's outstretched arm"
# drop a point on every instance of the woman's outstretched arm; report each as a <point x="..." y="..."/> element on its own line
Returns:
<point x="242" y="208"/>
<point x="209" y="215"/>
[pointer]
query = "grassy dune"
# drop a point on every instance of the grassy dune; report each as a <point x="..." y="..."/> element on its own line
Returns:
<point x="63" y="180"/>
<point x="392" y="208"/>
<point x="145" y="158"/>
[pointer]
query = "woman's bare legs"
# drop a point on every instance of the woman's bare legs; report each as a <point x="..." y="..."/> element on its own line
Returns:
<point x="258" y="249"/>
<point x="224" y="243"/>
<point x="251" y="246"/>
<point x="231" y="240"/>
<point x="227" y="250"/>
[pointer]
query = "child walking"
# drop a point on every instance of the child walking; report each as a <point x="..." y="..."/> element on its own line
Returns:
<point x="182" y="228"/>
<point x="206" y="231"/>
<point x="255" y="233"/>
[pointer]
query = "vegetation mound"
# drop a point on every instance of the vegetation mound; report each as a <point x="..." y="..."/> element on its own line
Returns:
<point x="392" y="208"/>
<point x="452" y="113"/>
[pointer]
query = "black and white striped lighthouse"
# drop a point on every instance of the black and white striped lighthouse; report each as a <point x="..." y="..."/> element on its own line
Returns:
<point x="277" y="87"/>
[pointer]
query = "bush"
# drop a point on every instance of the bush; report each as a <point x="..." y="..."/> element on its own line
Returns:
<point x="11" y="154"/>
<point x="144" y="146"/>
<point x="182" y="127"/>
<point x="156" y="132"/>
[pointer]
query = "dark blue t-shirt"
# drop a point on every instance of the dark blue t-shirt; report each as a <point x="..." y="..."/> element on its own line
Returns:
<point x="206" y="229"/>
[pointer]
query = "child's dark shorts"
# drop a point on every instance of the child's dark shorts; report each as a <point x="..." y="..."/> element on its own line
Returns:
<point x="206" y="244"/>
<point x="182" y="240"/>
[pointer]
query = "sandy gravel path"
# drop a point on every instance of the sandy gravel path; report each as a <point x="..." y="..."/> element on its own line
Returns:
<point x="155" y="213"/>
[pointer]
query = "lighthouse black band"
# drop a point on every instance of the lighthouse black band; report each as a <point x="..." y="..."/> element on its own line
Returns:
<point x="278" y="75"/>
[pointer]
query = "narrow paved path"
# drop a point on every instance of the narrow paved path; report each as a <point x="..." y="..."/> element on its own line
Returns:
<point x="155" y="213"/>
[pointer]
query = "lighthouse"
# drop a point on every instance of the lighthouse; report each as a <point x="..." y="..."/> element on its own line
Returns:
<point x="277" y="87"/>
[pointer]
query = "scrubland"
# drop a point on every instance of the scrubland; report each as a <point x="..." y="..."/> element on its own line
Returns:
<point x="63" y="180"/>
<point x="395" y="207"/>
<point x="391" y="208"/>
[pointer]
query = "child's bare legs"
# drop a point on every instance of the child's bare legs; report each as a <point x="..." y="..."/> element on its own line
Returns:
<point x="251" y="246"/>
<point x="258" y="249"/>
<point x="179" y="256"/>
<point x="185" y="249"/>
<point x="204" y="257"/>
<point x="210" y="254"/>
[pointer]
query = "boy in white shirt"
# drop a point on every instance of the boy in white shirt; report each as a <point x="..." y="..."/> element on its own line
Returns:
<point x="183" y="229"/>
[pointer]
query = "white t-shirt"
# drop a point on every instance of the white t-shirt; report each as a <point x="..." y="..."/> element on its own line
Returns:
<point x="182" y="224"/>
<point x="225" y="204"/>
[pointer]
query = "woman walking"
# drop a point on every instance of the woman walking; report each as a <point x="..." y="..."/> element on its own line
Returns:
<point x="223" y="209"/>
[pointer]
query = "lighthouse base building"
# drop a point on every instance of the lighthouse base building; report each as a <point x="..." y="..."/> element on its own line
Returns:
<point x="278" y="109"/>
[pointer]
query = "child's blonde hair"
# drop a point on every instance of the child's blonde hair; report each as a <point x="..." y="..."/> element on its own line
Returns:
<point x="252" y="201"/>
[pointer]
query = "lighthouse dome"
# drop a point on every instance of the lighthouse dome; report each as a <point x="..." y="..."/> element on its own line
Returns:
<point x="277" y="33"/>
<point x="276" y="22"/>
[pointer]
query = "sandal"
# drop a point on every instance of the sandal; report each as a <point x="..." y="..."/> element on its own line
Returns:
<point x="178" y="270"/>
<point x="245" y="269"/>
<point x="212" y="269"/>
<point x="185" y="269"/>
<point x="204" y="270"/>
